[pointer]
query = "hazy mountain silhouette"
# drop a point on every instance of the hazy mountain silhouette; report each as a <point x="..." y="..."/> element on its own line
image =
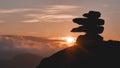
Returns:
<point x="25" y="60"/>
<point x="90" y="49"/>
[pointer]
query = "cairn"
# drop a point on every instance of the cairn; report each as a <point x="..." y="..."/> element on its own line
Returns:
<point x="92" y="26"/>
<point x="91" y="50"/>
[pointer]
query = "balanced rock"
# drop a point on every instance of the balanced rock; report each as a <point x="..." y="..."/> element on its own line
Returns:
<point x="91" y="25"/>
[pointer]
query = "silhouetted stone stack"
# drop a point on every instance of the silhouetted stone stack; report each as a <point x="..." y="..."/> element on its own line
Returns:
<point x="91" y="50"/>
<point x="92" y="25"/>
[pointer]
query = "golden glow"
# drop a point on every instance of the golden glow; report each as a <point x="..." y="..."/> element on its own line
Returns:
<point x="69" y="40"/>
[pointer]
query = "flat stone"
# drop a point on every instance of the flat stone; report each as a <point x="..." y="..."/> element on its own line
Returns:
<point x="89" y="29"/>
<point x="86" y="21"/>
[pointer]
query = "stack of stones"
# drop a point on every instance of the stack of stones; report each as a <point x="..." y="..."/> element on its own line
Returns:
<point x="91" y="25"/>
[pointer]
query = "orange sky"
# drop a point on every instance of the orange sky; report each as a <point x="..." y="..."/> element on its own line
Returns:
<point x="53" y="18"/>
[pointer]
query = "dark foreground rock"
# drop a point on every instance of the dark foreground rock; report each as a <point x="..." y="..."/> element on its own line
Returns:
<point x="101" y="55"/>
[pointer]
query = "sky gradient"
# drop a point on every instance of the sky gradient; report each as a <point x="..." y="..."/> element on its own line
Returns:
<point x="53" y="18"/>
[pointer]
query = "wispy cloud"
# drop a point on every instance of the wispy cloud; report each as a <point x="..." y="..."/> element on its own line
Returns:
<point x="52" y="13"/>
<point x="57" y="16"/>
<point x="55" y="8"/>
<point x="29" y="44"/>
<point x="31" y="21"/>
<point x="43" y="16"/>
<point x="60" y="8"/>
<point x="6" y="11"/>
<point x="49" y="18"/>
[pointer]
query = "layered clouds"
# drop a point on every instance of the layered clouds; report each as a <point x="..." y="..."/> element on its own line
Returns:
<point x="12" y="45"/>
<point x="40" y="20"/>
<point x="51" y="12"/>
<point x="54" y="13"/>
<point x="26" y="51"/>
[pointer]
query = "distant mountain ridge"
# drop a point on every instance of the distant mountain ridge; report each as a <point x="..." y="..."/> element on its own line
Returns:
<point x="14" y="44"/>
<point x="25" y="60"/>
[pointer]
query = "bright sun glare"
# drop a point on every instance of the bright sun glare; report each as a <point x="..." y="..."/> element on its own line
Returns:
<point x="69" y="40"/>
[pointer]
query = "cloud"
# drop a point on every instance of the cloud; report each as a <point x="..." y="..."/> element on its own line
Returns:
<point x="12" y="45"/>
<point x="64" y="7"/>
<point x="47" y="18"/>
<point x="54" y="13"/>
<point x="47" y="9"/>
<point x="47" y="13"/>
<point x="57" y="16"/>
<point x="8" y="11"/>
<point x="31" y="21"/>
<point x="54" y="9"/>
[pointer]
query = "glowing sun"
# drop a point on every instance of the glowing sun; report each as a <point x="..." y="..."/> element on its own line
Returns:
<point x="69" y="40"/>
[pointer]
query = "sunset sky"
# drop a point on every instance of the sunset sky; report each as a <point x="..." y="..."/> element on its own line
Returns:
<point x="53" y="18"/>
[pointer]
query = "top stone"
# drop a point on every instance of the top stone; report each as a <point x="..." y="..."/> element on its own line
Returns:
<point x="92" y="14"/>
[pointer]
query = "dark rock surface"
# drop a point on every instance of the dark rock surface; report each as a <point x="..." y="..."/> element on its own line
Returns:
<point x="105" y="54"/>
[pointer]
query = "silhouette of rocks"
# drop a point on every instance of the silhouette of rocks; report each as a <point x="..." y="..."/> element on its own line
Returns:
<point x="91" y="25"/>
<point x="99" y="55"/>
<point x="90" y="49"/>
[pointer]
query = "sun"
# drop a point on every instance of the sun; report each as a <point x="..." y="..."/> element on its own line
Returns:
<point x="68" y="39"/>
